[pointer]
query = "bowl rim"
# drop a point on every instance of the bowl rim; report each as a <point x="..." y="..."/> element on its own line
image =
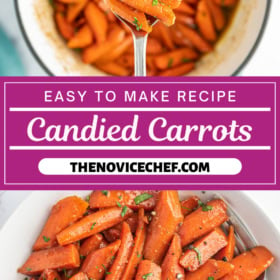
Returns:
<point x="235" y="73"/>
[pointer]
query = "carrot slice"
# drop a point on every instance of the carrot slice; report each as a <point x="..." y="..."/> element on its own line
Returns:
<point x="53" y="258"/>
<point x="64" y="213"/>
<point x="202" y="221"/>
<point x="90" y="244"/>
<point x="65" y="28"/>
<point x="189" y="204"/>
<point x="133" y="16"/>
<point x="227" y="253"/>
<point x="118" y="266"/>
<point x="250" y="265"/>
<point x="79" y="276"/>
<point x="175" y="58"/>
<point x="179" y="70"/>
<point x="93" y="224"/>
<point x="97" y="21"/>
<point x="203" y="249"/>
<point x="133" y="199"/>
<point x="204" y="22"/>
<point x="217" y="14"/>
<point x="168" y="215"/>
<point x="82" y="38"/>
<point x="201" y="44"/>
<point x="171" y="268"/>
<point x="97" y="262"/>
<point x="160" y="11"/>
<point x="49" y="274"/>
<point x="137" y="250"/>
<point x="74" y="10"/>
<point x="148" y="270"/>
<point x="114" y="69"/>
<point x="212" y="269"/>
<point x="225" y="3"/>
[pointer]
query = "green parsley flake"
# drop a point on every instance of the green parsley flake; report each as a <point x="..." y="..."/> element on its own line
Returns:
<point x="46" y="239"/>
<point x="145" y="276"/>
<point x="155" y="2"/>
<point x="205" y="207"/>
<point x="142" y="197"/>
<point x="92" y="226"/>
<point x="105" y="192"/>
<point x="210" y="278"/>
<point x="138" y="27"/>
<point x="170" y="62"/>
<point x="124" y="211"/>
<point x="119" y="205"/>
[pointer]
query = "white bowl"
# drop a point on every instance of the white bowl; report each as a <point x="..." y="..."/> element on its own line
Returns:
<point x="233" y="50"/>
<point x="19" y="233"/>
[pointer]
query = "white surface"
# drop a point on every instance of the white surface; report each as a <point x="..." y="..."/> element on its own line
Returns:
<point x="19" y="233"/>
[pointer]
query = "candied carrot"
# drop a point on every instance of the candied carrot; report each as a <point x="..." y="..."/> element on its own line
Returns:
<point x="203" y="249"/>
<point x="82" y="38"/>
<point x="179" y="70"/>
<point x="212" y="269"/>
<point x="79" y="276"/>
<point x="49" y="274"/>
<point x="63" y="213"/>
<point x="148" y="270"/>
<point x="64" y="27"/>
<point x="97" y="21"/>
<point x="53" y="258"/>
<point x="203" y="220"/>
<point x="189" y="204"/>
<point x="93" y="224"/>
<point x="167" y="216"/>
<point x="90" y="244"/>
<point x="119" y="264"/>
<point x="171" y="269"/>
<point x="137" y="250"/>
<point x="74" y="10"/>
<point x="97" y="262"/>
<point x="217" y="14"/>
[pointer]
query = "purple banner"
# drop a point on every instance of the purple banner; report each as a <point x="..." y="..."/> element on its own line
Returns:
<point x="73" y="133"/>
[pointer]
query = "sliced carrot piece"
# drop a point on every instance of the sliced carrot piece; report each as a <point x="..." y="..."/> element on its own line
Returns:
<point x="90" y="244"/>
<point x="227" y="253"/>
<point x="189" y="204"/>
<point x="217" y="14"/>
<point x="203" y="249"/>
<point x="202" y="221"/>
<point x="74" y="10"/>
<point x="97" y="21"/>
<point x="118" y="266"/>
<point x="212" y="269"/>
<point x="63" y="213"/>
<point x="79" y="276"/>
<point x="93" y="224"/>
<point x="53" y="258"/>
<point x="204" y="22"/>
<point x="65" y="28"/>
<point x="179" y="70"/>
<point x="250" y="265"/>
<point x="168" y="215"/>
<point x="82" y="38"/>
<point x="97" y="262"/>
<point x="171" y="268"/>
<point x="49" y="274"/>
<point x="148" y="270"/>
<point x="137" y="250"/>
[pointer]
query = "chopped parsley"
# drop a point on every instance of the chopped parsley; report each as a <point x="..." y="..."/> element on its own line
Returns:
<point x="205" y="207"/>
<point x="124" y="211"/>
<point x="145" y="276"/>
<point x="87" y="198"/>
<point x="136" y="22"/>
<point x="155" y="2"/>
<point x="198" y="254"/>
<point x="142" y="197"/>
<point x="210" y="278"/>
<point x="119" y="205"/>
<point x="105" y="192"/>
<point x="186" y="60"/>
<point x="92" y="226"/>
<point x="170" y="62"/>
<point x="46" y="239"/>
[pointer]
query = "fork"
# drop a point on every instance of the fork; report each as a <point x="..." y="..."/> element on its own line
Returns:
<point x="140" y="45"/>
<point x="244" y="237"/>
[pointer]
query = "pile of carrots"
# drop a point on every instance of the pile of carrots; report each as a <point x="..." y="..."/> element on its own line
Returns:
<point x="90" y="27"/>
<point x="150" y="235"/>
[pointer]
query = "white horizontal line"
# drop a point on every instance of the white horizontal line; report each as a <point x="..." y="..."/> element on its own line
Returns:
<point x="136" y="109"/>
<point x="179" y="148"/>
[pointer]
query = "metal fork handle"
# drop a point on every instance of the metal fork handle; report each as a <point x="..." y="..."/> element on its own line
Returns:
<point x="140" y="45"/>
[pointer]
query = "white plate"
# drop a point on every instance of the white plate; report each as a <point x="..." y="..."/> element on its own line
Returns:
<point x="20" y="231"/>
